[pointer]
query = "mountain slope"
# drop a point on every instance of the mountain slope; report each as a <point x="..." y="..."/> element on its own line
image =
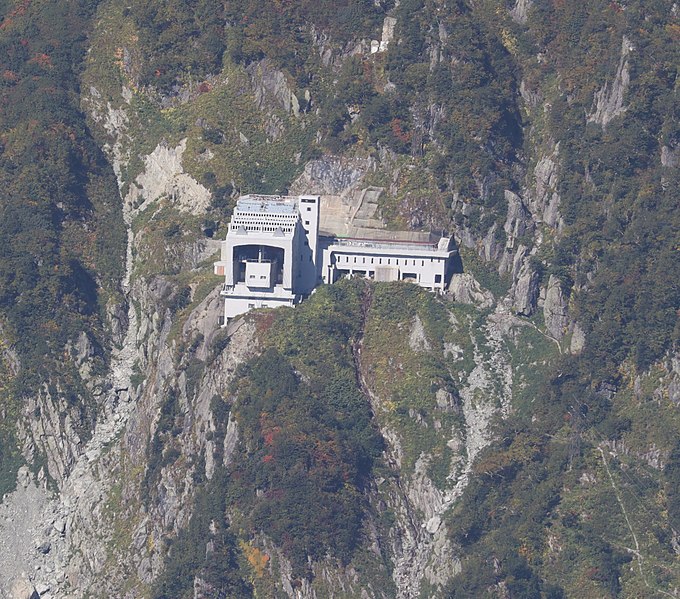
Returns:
<point x="515" y="438"/>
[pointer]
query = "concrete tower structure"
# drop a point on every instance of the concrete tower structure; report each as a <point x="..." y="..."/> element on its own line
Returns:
<point x="268" y="257"/>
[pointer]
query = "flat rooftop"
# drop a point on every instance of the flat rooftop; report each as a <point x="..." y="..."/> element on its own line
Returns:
<point x="267" y="204"/>
<point x="384" y="235"/>
<point x="397" y="241"/>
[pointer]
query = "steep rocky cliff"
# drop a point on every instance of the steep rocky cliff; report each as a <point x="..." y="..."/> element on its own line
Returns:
<point x="515" y="437"/>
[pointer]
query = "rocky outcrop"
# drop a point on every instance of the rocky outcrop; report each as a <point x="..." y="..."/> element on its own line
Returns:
<point x="164" y="177"/>
<point x="520" y="11"/>
<point x="203" y="323"/>
<point x="114" y="122"/>
<point x="54" y="434"/>
<point x="519" y="228"/>
<point x="491" y="247"/>
<point x="609" y="100"/>
<point x="24" y="540"/>
<point x="674" y="383"/>
<point x="422" y="550"/>
<point x="272" y="89"/>
<point x="387" y="36"/>
<point x="418" y="339"/>
<point x="525" y="289"/>
<point x="23" y="589"/>
<point x="578" y="340"/>
<point x="532" y="97"/>
<point x="555" y="314"/>
<point x="465" y="289"/>
<point x="331" y="176"/>
<point x="492" y="376"/>
<point x="670" y="156"/>
<point x="518" y="221"/>
<point x="545" y="201"/>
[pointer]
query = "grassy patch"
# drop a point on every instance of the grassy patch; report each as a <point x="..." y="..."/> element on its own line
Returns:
<point x="406" y="366"/>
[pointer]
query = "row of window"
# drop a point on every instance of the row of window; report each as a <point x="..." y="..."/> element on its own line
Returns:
<point x="267" y="228"/>
<point x="242" y="214"/>
<point x="405" y="276"/>
<point x="264" y="221"/>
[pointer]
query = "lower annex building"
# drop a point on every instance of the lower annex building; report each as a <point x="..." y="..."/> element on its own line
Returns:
<point x="279" y="248"/>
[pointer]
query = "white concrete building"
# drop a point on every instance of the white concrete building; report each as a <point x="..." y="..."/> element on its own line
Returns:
<point x="274" y="253"/>
<point x="270" y="253"/>
<point x="419" y="258"/>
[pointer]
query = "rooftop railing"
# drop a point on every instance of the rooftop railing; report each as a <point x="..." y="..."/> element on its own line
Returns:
<point x="392" y="245"/>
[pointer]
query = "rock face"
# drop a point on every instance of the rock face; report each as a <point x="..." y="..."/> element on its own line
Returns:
<point x="164" y="176"/>
<point x="417" y="339"/>
<point x="670" y="156"/>
<point x="98" y="522"/>
<point x="609" y="101"/>
<point x="578" y="340"/>
<point x="518" y="221"/>
<point x="520" y="10"/>
<point x="331" y="176"/>
<point x="22" y="535"/>
<point x="555" y="312"/>
<point x="272" y="89"/>
<point x="525" y="290"/>
<point x="545" y="199"/>
<point x="114" y="478"/>
<point x="674" y="384"/>
<point x="23" y="589"/>
<point x="387" y="33"/>
<point x="465" y="289"/>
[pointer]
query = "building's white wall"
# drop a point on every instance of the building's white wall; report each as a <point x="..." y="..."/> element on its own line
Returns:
<point x="309" y="243"/>
<point x="426" y="267"/>
<point x="235" y="306"/>
<point x="259" y="274"/>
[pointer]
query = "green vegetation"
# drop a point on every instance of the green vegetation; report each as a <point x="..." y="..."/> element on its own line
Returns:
<point x="308" y="445"/>
<point x="186" y="43"/>
<point x="61" y="238"/>
<point x="307" y="462"/>
<point x="206" y="549"/>
<point x="547" y="493"/>
<point x="61" y="233"/>
<point x="584" y="474"/>
<point x="407" y="368"/>
<point x="619" y="202"/>
<point x="10" y="460"/>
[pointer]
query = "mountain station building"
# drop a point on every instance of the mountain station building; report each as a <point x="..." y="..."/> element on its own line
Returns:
<point x="279" y="248"/>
